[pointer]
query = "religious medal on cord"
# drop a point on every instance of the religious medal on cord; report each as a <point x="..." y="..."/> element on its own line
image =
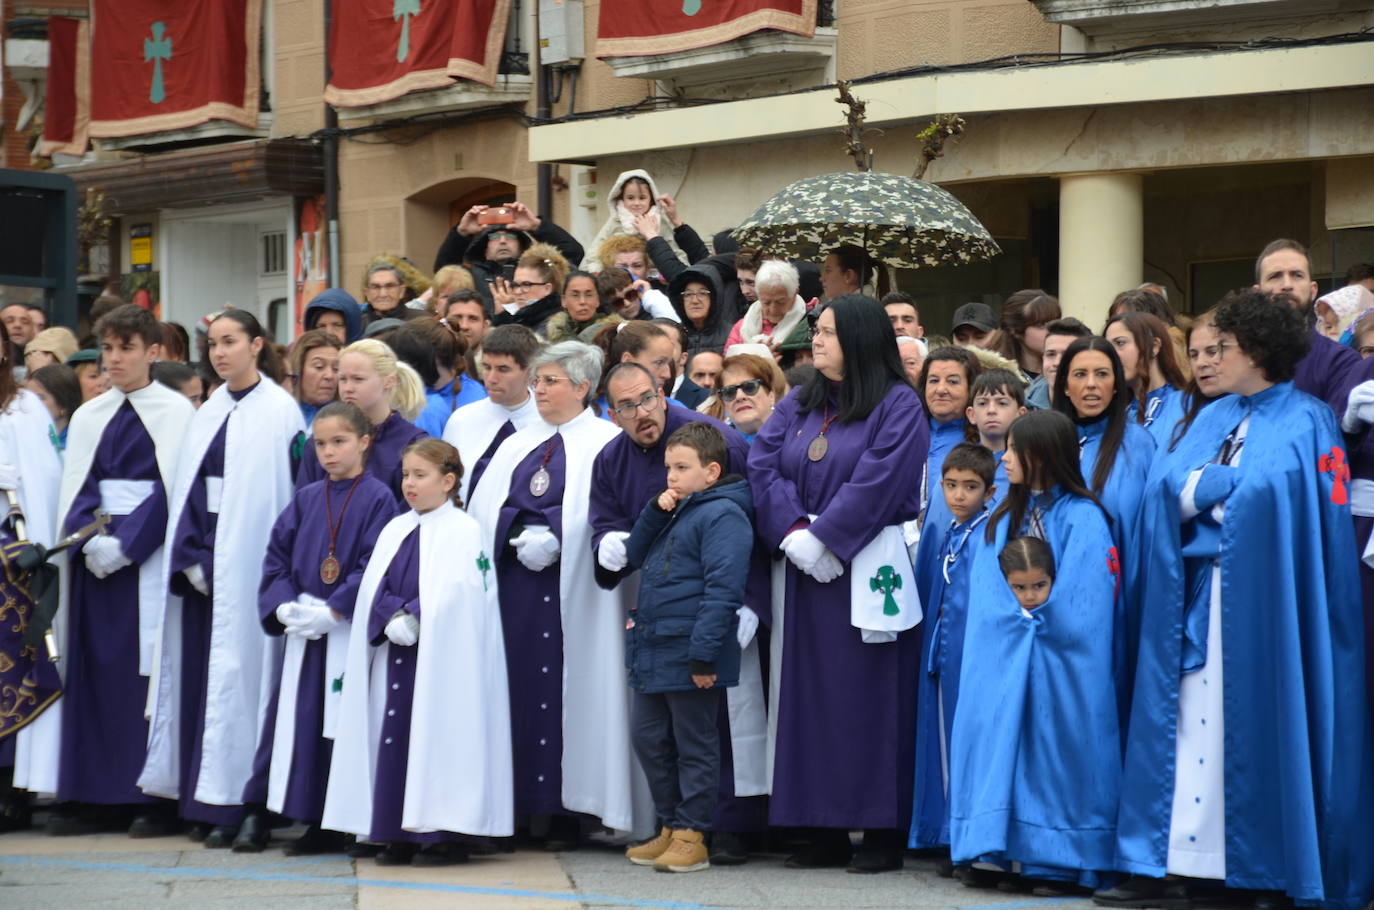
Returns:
<point x="820" y="445"/>
<point x="330" y="569"/>
<point x="539" y="483"/>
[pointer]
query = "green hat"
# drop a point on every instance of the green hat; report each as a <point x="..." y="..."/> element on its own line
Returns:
<point x="86" y="355"/>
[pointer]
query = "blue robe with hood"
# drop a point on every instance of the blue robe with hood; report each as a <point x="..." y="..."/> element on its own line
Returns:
<point x="1299" y="791"/>
<point x="340" y="301"/>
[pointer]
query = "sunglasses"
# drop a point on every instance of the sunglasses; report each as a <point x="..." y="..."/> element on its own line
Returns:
<point x="630" y="296"/>
<point x="749" y="387"/>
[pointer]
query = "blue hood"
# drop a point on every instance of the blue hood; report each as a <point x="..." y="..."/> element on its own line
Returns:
<point x="340" y="301"/>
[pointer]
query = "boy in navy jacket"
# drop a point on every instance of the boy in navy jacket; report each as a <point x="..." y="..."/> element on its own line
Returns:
<point x="692" y="545"/>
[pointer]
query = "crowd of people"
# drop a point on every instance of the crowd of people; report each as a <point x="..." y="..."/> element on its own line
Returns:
<point x="701" y="549"/>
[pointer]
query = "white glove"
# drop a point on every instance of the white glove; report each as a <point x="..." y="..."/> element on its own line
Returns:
<point x="611" y="552"/>
<point x="748" y="625"/>
<point x="536" y="547"/>
<point x="104" y="555"/>
<point x="287" y="614"/>
<point x="1359" y="410"/>
<point x="9" y="477"/>
<point x="804" y="549"/>
<point x="828" y="568"/>
<point x="403" y="629"/>
<point x="313" y="623"/>
<point x="196" y="576"/>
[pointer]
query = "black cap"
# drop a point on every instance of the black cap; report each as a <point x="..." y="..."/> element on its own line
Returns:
<point x="978" y="315"/>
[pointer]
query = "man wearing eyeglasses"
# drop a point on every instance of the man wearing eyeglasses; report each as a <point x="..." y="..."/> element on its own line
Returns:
<point x="489" y="250"/>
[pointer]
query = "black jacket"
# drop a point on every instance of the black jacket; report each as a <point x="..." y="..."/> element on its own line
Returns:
<point x="458" y="249"/>
<point x="716" y="327"/>
<point x="534" y="316"/>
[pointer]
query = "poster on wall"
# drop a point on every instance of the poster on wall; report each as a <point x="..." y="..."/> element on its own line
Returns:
<point x="310" y="255"/>
<point x="144" y="289"/>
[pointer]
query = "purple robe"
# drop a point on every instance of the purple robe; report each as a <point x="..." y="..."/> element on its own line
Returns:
<point x="299" y="543"/>
<point x="532" y="624"/>
<point x="625" y="476"/>
<point x="104" y="733"/>
<point x="846" y="711"/>
<point x="399" y="590"/>
<point x="1329" y="371"/>
<point x="389" y="440"/>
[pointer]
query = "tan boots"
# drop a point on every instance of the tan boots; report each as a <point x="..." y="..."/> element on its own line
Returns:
<point x="682" y="850"/>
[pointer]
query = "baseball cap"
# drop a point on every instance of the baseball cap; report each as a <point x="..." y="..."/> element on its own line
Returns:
<point x="978" y="315"/>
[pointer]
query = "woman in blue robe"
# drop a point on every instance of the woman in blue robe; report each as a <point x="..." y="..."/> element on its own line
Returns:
<point x="1151" y="370"/>
<point x="830" y="471"/>
<point x="1249" y="747"/>
<point x="1035" y="762"/>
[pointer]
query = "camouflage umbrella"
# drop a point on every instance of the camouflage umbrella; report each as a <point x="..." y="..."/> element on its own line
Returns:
<point x="900" y="221"/>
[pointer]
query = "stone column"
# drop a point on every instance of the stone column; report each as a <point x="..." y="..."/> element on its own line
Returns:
<point x="1101" y="242"/>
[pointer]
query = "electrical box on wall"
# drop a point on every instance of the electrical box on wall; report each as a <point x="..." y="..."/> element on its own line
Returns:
<point x="584" y="189"/>
<point x="561" y="31"/>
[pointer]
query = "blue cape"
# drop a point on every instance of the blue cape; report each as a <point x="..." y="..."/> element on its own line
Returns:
<point x="1298" y="772"/>
<point x="1035" y="759"/>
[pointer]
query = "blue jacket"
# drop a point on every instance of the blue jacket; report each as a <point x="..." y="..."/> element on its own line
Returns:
<point x="340" y="301"/>
<point x="694" y="564"/>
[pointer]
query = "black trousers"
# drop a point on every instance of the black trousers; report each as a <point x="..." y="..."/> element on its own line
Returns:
<point x="677" y="740"/>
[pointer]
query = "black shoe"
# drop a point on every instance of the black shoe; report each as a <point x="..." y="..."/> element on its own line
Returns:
<point x="399" y="853"/>
<point x="829" y="849"/>
<point x="565" y="834"/>
<point x="71" y="820"/>
<point x="971" y="877"/>
<point x="198" y="832"/>
<point x="361" y="849"/>
<point x="316" y="841"/>
<point x="881" y="851"/>
<point x="253" y="834"/>
<point x="944" y="868"/>
<point x="15" y="812"/>
<point x="442" y="854"/>
<point x="1011" y="883"/>
<point x="155" y="824"/>
<point x="221" y="836"/>
<point x="728" y="849"/>
<point x="1046" y="888"/>
<point x="1139" y="892"/>
<point x="1272" y="900"/>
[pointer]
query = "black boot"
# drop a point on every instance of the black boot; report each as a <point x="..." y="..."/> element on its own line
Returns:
<point x="829" y="849"/>
<point x="316" y="841"/>
<point x="728" y="849"/>
<point x="253" y="832"/>
<point x="1140" y="892"/>
<point x="221" y="836"/>
<point x="881" y="851"/>
<point x="155" y="822"/>
<point x="447" y="853"/>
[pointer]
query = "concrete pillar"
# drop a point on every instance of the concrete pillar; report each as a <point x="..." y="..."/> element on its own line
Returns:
<point x="1101" y="242"/>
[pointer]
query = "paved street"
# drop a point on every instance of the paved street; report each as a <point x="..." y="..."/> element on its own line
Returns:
<point x="112" y="872"/>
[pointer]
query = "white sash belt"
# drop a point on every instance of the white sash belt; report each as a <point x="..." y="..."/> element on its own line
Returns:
<point x="214" y="494"/>
<point x="121" y="497"/>
<point x="1362" y="498"/>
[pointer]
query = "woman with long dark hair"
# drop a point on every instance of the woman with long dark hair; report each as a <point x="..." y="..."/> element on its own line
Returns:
<point x="1020" y="334"/>
<point x="1151" y="368"/>
<point x="1035" y="766"/>
<point x="1250" y="740"/>
<point x="831" y="474"/>
<point x="214" y="680"/>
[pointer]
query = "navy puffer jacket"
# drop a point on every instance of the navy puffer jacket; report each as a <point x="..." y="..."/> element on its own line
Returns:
<point x="694" y="562"/>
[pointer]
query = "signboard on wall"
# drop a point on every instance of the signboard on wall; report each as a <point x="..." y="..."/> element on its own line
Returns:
<point x="141" y="247"/>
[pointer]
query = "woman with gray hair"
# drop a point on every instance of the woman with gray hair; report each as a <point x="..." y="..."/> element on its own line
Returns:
<point x="564" y="635"/>
<point x="777" y="314"/>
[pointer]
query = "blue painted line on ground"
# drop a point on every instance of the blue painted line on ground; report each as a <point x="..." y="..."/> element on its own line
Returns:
<point x="1029" y="904"/>
<point x="343" y="881"/>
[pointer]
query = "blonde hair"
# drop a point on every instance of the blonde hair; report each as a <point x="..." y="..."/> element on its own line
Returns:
<point x="620" y="243"/>
<point x="408" y="394"/>
<point x="548" y="262"/>
<point x="447" y="280"/>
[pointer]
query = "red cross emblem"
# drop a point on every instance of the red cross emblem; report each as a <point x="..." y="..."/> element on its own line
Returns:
<point x="1114" y="566"/>
<point x="1334" y="463"/>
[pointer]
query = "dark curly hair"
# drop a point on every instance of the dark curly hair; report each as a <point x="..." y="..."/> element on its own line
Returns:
<point x="1268" y="330"/>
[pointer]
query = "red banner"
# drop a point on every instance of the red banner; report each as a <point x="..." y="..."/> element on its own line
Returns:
<point x="383" y="49"/>
<point x="159" y="66"/>
<point x="632" y="28"/>
<point x="66" y="104"/>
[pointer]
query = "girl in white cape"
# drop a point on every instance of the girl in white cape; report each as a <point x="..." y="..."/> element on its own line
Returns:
<point x="216" y="668"/>
<point x="423" y="751"/>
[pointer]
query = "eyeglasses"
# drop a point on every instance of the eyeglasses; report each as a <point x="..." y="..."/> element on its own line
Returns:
<point x="750" y="387"/>
<point x="630" y="296"/>
<point x="817" y="332"/>
<point x="702" y="295"/>
<point x="383" y="287"/>
<point x="547" y="382"/>
<point x="627" y="411"/>
<point x="526" y="285"/>
<point x="1212" y="351"/>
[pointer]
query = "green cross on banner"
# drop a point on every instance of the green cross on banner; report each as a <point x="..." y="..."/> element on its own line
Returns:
<point x="484" y="565"/>
<point x="403" y="10"/>
<point x="887" y="580"/>
<point x="155" y="50"/>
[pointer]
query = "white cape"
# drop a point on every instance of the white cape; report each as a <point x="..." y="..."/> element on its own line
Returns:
<point x="165" y="415"/>
<point x="244" y="661"/>
<point x="473" y="426"/>
<point x="458" y="769"/>
<point x="601" y="775"/>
